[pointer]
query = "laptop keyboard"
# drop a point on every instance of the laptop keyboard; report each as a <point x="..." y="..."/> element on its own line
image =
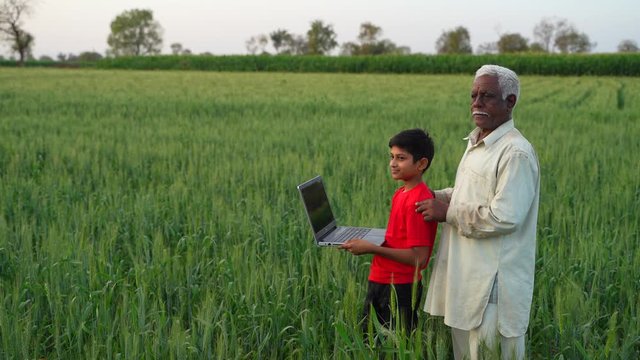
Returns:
<point x="351" y="233"/>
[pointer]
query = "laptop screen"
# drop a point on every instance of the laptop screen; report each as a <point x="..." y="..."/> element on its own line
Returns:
<point x="317" y="204"/>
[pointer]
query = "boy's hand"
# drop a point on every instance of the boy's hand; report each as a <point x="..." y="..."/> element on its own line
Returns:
<point x="433" y="210"/>
<point x="357" y="246"/>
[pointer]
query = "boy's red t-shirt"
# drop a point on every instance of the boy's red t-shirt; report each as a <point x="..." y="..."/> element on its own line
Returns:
<point x="406" y="229"/>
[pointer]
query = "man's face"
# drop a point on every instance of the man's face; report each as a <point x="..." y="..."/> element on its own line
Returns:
<point x="488" y="108"/>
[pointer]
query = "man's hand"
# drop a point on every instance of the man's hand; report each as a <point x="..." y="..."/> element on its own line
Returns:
<point x="357" y="246"/>
<point x="433" y="210"/>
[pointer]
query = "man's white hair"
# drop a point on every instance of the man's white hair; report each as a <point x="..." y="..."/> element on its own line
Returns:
<point x="507" y="79"/>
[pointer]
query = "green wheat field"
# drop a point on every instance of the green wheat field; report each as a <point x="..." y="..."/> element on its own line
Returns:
<point x="154" y="215"/>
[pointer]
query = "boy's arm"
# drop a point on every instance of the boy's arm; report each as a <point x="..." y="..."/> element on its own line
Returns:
<point x="415" y="256"/>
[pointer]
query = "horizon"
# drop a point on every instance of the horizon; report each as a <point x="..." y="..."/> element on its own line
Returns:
<point x="222" y="28"/>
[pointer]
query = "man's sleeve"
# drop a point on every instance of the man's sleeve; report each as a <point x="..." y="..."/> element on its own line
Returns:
<point x="444" y="194"/>
<point x="515" y="191"/>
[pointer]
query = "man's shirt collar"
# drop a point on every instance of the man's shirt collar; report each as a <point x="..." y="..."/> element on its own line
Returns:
<point x="494" y="136"/>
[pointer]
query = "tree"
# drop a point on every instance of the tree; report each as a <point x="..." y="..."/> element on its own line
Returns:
<point x="512" y="43"/>
<point x="487" y="48"/>
<point x="257" y="44"/>
<point x="537" y="48"/>
<point x="628" y="46"/>
<point x="281" y="40"/>
<point x="349" y="48"/>
<point x="544" y="31"/>
<point x="11" y="28"/>
<point x="569" y="40"/>
<point x="134" y="32"/>
<point x="369" y="44"/>
<point x="558" y="34"/>
<point x="389" y="47"/>
<point x="367" y="39"/>
<point x="176" y="48"/>
<point x="89" y="56"/>
<point x="321" y="38"/>
<point x="369" y="33"/>
<point x="22" y="45"/>
<point x="286" y="43"/>
<point x="299" y="45"/>
<point x="456" y="41"/>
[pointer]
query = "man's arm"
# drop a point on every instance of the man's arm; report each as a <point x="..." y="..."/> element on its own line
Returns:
<point x="515" y="191"/>
<point x="435" y="209"/>
<point x="443" y="195"/>
<point x="516" y="188"/>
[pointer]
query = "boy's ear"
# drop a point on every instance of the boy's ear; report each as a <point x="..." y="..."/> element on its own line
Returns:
<point x="423" y="163"/>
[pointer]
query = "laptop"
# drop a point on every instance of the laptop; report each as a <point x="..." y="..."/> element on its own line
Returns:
<point x="325" y="228"/>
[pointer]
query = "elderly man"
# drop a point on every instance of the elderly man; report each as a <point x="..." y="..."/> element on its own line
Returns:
<point x="482" y="280"/>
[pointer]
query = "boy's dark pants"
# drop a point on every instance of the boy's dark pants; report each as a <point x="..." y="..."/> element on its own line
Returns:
<point x="379" y="296"/>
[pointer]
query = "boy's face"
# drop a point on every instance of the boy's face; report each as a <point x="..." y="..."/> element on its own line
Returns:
<point x="402" y="165"/>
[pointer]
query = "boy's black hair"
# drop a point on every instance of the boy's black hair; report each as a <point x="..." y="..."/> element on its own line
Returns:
<point x="415" y="141"/>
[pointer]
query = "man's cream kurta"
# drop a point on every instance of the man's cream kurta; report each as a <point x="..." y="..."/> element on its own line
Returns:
<point x="490" y="234"/>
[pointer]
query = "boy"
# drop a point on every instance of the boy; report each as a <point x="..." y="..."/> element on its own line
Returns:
<point x="399" y="260"/>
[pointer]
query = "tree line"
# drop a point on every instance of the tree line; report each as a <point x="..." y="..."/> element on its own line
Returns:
<point x="136" y="33"/>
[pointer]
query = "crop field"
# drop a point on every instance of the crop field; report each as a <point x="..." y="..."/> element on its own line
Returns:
<point x="154" y="215"/>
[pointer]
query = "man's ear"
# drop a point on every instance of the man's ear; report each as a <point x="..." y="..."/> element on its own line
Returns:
<point x="511" y="101"/>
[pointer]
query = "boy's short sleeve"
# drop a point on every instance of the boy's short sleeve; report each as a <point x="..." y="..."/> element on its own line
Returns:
<point x="419" y="232"/>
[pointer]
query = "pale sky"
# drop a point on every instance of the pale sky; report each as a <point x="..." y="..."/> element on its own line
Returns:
<point x="223" y="26"/>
